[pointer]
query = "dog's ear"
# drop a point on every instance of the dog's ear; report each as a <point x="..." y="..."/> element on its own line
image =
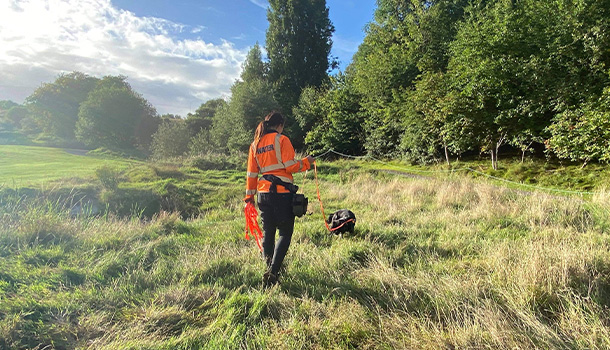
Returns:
<point x="330" y="218"/>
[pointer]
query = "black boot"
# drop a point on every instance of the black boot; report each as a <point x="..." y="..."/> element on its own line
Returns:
<point x="269" y="279"/>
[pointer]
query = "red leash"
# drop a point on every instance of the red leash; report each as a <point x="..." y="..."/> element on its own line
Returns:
<point x="252" y="224"/>
<point x="252" y="227"/>
<point x="315" y="172"/>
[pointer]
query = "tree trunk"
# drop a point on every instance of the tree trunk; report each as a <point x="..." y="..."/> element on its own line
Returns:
<point x="525" y="150"/>
<point x="494" y="152"/>
<point x="447" y="154"/>
<point x="584" y="164"/>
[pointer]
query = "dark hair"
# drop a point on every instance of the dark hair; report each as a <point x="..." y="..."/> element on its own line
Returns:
<point x="272" y="120"/>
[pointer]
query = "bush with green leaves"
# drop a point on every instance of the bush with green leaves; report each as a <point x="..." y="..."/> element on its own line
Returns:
<point x="334" y="116"/>
<point x="110" y="177"/>
<point x="201" y="143"/>
<point x="583" y="134"/>
<point x="171" y="140"/>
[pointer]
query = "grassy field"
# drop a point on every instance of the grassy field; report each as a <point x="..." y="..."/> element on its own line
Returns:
<point x="33" y="166"/>
<point x="551" y="176"/>
<point x="435" y="263"/>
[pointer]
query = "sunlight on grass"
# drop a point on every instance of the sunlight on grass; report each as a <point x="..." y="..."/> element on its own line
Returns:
<point x="433" y="264"/>
<point x="32" y="166"/>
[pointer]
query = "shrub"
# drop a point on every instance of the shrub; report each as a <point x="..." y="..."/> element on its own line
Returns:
<point x="171" y="140"/>
<point x="50" y="140"/>
<point x="109" y="177"/>
<point x="201" y="144"/>
<point x="130" y="201"/>
<point x="16" y="114"/>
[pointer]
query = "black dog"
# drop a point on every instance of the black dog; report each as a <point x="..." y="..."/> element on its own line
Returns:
<point x="342" y="221"/>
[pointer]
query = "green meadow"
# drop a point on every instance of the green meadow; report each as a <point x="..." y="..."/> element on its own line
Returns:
<point x="31" y="165"/>
<point x="439" y="262"/>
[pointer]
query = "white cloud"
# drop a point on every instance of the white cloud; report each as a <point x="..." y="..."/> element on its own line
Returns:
<point x="345" y="48"/>
<point x="198" y="29"/>
<point x="40" y="39"/>
<point x="344" y="45"/>
<point x="241" y="36"/>
<point x="260" y="3"/>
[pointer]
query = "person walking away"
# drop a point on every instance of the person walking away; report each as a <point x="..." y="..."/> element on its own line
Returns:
<point x="272" y="155"/>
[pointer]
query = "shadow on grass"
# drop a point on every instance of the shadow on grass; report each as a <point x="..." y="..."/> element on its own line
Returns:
<point x="409" y="253"/>
<point x="372" y="297"/>
<point x="228" y="274"/>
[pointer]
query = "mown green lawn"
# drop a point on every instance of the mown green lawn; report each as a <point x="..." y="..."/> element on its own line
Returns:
<point x="29" y="165"/>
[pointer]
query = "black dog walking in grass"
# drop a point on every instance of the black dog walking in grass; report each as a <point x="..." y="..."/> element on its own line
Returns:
<point x="272" y="155"/>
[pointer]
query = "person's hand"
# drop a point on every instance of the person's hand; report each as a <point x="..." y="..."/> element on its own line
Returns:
<point x="310" y="159"/>
<point x="248" y="201"/>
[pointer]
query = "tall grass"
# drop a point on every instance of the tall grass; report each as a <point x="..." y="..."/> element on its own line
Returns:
<point x="433" y="265"/>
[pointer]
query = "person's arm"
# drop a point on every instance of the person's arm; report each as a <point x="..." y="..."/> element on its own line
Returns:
<point x="251" y="177"/>
<point x="292" y="164"/>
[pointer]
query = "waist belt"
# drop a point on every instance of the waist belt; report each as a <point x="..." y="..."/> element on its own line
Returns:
<point x="292" y="188"/>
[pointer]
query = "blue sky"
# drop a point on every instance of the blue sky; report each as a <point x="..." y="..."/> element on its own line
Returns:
<point x="243" y="22"/>
<point x="177" y="54"/>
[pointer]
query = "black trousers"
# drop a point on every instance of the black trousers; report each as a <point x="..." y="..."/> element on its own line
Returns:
<point x="276" y="215"/>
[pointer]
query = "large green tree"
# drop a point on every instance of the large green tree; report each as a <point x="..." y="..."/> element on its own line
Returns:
<point x="5" y="105"/>
<point x="431" y="125"/>
<point x="511" y="79"/>
<point x="115" y="116"/>
<point x="436" y="77"/>
<point x="203" y="117"/>
<point x="251" y="99"/>
<point x="298" y="44"/>
<point x="406" y="38"/>
<point x="312" y="107"/>
<point x="583" y="133"/>
<point x="254" y="68"/>
<point x="340" y="126"/>
<point x="56" y="105"/>
<point x="171" y="139"/>
<point x="15" y="115"/>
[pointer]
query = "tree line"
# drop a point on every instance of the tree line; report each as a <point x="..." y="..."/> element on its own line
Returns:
<point x="78" y="110"/>
<point x="447" y="77"/>
<point x="432" y="80"/>
<point x="435" y="80"/>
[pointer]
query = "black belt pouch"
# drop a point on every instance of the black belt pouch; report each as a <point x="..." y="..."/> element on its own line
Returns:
<point x="299" y="204"/>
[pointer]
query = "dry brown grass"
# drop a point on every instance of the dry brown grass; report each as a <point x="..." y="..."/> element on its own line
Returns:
<point x="496" y="268"/>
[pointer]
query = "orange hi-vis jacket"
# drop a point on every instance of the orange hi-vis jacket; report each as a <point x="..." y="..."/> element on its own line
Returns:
<point x="273" y="155"/>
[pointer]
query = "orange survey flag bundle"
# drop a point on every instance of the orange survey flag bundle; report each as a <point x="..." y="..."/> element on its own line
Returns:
<point x="252" y="227"/>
